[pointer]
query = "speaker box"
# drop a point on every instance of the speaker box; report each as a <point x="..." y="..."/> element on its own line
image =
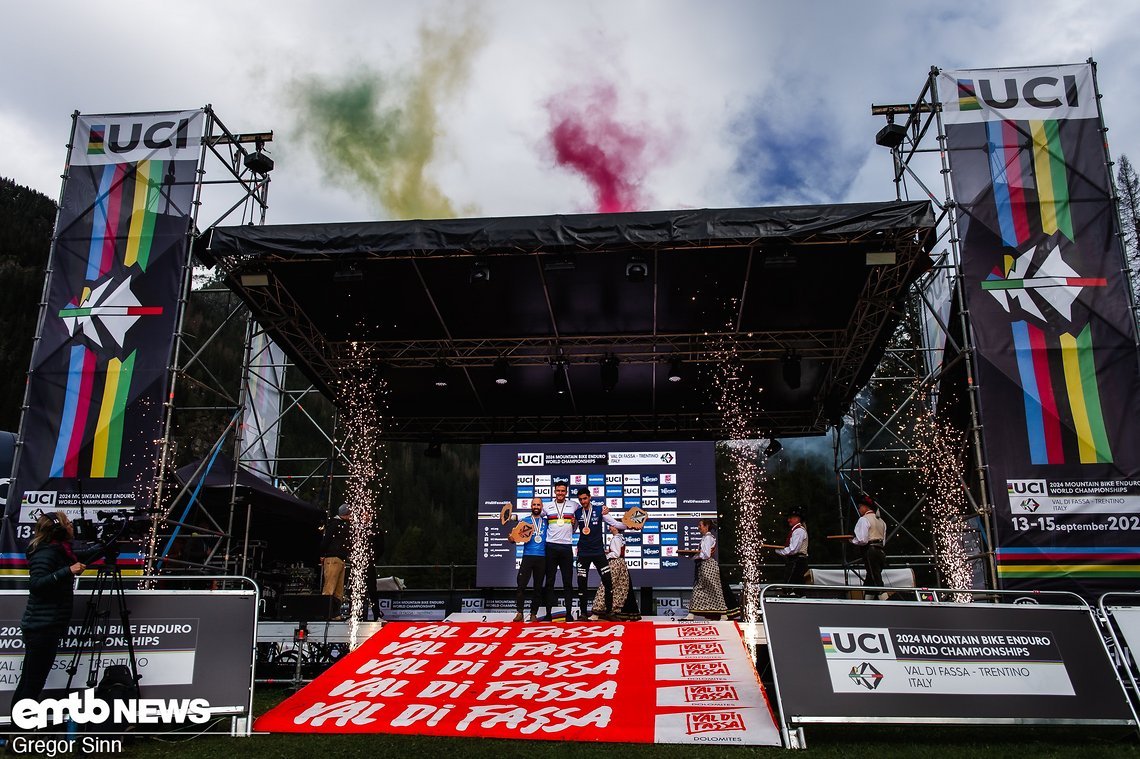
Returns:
<point x="308" y="608"/>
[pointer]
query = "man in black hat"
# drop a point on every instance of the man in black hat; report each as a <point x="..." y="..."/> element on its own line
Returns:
<point x="870" y="535"/>
<point x="795" y="552"/>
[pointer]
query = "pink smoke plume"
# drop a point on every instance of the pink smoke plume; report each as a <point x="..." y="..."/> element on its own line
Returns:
<point x="611" y="156"/>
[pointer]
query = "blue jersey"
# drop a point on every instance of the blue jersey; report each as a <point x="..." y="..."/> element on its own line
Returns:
<point x="536" y="546"/>
<point x="592" y="544"/>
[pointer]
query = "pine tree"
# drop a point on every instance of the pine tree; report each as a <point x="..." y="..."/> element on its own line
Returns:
<point x="1128" y="192"/>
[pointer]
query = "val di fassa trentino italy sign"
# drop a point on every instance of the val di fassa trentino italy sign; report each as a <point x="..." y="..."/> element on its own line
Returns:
<point x="900" y="660"/>
<point x="1057" y="376"/>
<point x="839" y="661"/>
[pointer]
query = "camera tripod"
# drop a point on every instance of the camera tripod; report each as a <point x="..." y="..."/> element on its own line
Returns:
<point x="96" y="629"/>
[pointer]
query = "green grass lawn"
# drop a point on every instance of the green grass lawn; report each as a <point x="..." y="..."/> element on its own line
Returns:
<point x="823" y="741"/>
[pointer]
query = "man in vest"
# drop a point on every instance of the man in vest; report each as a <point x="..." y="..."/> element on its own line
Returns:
<point x="795" y="551"/>
<point x="870" y="534"/>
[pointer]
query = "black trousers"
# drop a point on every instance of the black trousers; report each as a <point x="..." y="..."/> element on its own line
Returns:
<point x="603" y="566"/>
<point x="874" y="557"/>
<point x="797" y="567"/>
<point x="559" y="558"/>
<point x="40" y="647"/>
<point x="531" y="566"/>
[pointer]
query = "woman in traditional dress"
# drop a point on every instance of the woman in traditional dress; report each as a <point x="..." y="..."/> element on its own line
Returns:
<point x="708" y="598"/>
<point x="619" y="574"/>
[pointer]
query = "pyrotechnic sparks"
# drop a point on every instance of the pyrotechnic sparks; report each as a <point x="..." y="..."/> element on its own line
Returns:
<point x="937" y="454"/>
<point x="734" y="396"/>
<point x="362" y="397"/>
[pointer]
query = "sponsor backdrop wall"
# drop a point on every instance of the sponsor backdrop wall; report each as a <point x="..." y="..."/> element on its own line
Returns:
<point x="675" y="483"/>
<point x="99" y="369"/>
<point x="1055" y="340"/>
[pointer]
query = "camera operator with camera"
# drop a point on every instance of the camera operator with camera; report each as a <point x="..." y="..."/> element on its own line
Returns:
<point x="52" y="567"/>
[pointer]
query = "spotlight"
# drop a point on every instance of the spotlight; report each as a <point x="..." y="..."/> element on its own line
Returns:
<point x="440" y="379"/>
<point x="792" y="370"/>
<point x="434" y="450"/>
<point x="773" y="448"/>
<point x="348" y="274"/>
<point x="561" y="384"/>
<point x="891" y="136"/>
<point x="254" y="279"/>
<point x="636" y="269"/>
<point x="675" y="369"/>
<point x="259" y="162"/>
<point x="609" y="366"/>
<point x="501" y="370"/>
<point x="480" y="272"/>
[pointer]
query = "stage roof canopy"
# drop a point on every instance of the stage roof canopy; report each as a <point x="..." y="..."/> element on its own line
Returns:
<point x="813" y="286"/>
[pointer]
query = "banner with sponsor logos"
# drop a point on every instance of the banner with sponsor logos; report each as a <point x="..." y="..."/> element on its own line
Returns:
<point x="182" y="639"/>
<point x="99" y="369"/>
<point x="674" y="482"/>
<point x="612" y="682"/>
<point x="1055" y="340"/>
<point x="953" y="663"/>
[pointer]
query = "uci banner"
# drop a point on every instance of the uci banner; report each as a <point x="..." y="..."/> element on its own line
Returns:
<point x="622" y="683"/>
<point x="1055" y="341"/>
<point x="89" y="435"/>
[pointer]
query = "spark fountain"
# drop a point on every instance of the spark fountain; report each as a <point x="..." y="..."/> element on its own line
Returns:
<point x="937" y="453"/>
<point x="362" y="397"/>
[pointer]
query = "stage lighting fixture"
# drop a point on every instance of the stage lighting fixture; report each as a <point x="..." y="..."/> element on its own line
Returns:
<point x="440" y="379"/>
<point x="258" y="163"/>
<point x="254" y="279"/>
<point x="502" y="369"/>
<point x="773" y="448"/>
<point x="792" y="370"/>
<point x="348" y="275"/>
<point x="675" y="369"/>
<point x="891" y="136"/>
<point x="609" y="368"/>
<point x="480" y="272"/>
<point x="559" y="263"/>
<point x="434" y="450"/>
<point x="561" y="384"/>
<point x="636" y="269"/>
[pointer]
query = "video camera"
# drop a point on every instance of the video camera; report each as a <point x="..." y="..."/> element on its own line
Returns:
<point x="112" y="526"/>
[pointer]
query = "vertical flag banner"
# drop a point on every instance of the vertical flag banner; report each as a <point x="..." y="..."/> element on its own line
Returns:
<point x="90" y="434"/>
<point x="1057" y="371"/>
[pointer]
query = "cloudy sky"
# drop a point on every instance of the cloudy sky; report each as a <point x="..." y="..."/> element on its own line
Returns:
<point x="418" y="109"/>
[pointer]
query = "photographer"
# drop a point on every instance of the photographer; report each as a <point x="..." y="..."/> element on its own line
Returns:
<point x="52" y="567"/>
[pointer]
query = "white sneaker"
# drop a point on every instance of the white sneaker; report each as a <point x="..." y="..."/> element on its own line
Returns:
<point x="593" y="617"/>
<point x="688" y="618"/>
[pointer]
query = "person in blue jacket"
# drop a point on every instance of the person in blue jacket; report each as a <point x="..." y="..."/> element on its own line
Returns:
<point x="533" y="562"/>
<point x="592" y="521"/>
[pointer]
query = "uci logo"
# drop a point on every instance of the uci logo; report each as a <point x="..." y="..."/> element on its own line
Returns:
<point x="873" y="643"/>
<point x="158" y="136"/>
<point x="1027" y="487"/>
<point x="40" y="498"/>
<point x="530" y="459"/>
<point x="1039" y="92"/>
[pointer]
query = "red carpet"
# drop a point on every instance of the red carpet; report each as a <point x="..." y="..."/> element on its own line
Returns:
<point x="620" y="682"/>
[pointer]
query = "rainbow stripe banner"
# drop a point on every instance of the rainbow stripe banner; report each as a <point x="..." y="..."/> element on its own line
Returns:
<point x="99" y="372"/>
<point x="1055" y="342"/>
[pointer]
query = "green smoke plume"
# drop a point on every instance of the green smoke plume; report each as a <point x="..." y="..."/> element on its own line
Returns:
<point x="379" y="131"/>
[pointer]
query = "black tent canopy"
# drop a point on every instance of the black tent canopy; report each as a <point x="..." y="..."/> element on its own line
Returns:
<point x="527" y="298"/>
